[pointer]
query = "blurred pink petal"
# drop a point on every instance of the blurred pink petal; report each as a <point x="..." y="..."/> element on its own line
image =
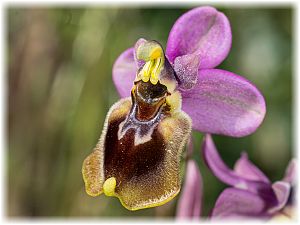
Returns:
<point x="190" y="201"/>
<point x="227" y="175"/>
<point x="190" y="147"/>
<point x="290" y="173"/>
<point x="237" y="203"/>
<point x="248" y="170"/>
<point x="124" y="72"/>
<point x="282" y="191"/>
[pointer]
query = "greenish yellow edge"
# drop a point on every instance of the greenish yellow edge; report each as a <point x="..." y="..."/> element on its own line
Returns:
<point x="123" y="204"/>
<point x="148" y="206"/>
<point x="85" y="184"/>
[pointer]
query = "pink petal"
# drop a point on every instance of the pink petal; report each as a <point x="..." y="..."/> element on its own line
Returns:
<point x="290" y="173"/>
<point x="237" y="203"/>
<point x="228" y="176"/>
<point x="248" y="170"/>
<point x="224" y="103"/>
<point x="282" y="191"/>
<point x="202" y="31"/>
<point x="190" y="147"/>
<point x="186" y="69"/>
<point x="189" y="205"/>
<point x="124" y="72"/>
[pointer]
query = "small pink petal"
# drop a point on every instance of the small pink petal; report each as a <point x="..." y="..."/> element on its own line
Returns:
<point x="236" y="203"/>
<point x="290" y="173"/>
<point x="248" y="170"/>
<point x="282" y="191"/>
<point x="124" y="72"/>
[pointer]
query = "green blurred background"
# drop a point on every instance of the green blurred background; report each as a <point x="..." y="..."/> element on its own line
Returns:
<point x="59" y="63"/>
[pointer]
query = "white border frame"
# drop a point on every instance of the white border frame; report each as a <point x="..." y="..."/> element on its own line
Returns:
<point x="145" y="3"/>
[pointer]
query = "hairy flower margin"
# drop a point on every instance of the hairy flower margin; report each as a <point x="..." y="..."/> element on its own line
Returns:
<point x="164" y="96"/>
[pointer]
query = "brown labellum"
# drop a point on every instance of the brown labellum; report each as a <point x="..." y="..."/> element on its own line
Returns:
<point x="137" y="157"/>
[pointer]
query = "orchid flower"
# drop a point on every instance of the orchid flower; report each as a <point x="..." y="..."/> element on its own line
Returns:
<point x="164" y="96"/>
<point x="251" y="193"/>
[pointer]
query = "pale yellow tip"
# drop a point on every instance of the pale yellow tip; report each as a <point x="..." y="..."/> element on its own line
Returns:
<point x="156" y="53"/>
<point x="153" y="79"/>
<point x="109" y="186"/>
<point x="145" y="76"/>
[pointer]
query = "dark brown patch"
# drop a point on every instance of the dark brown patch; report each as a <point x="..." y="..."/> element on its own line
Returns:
<point x="125" y="161"/>
<point x="149" y="98"/>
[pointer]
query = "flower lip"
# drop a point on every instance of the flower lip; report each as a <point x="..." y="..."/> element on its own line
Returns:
<point x="130" y="166"/>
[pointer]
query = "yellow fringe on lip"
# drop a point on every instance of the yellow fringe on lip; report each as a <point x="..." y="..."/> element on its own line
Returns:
<point x="154" y="204"/>
<point x="109" y="187"/>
